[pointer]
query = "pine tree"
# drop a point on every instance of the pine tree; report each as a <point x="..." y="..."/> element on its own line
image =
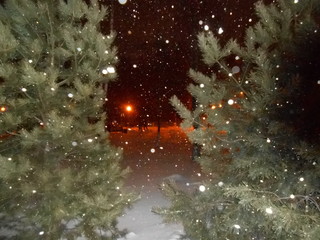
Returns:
<point x="60" y="178"/>
<point x="259" y="145"/>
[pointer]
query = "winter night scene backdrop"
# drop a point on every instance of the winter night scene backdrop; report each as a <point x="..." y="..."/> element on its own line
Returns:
<point x="165" y="120"/>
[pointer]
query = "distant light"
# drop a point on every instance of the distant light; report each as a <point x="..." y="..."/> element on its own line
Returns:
<point x="3" y="109"/>
<point x="220" y="30"/>
<point x="134" y="66"/>
<point x="128" y="108"/>
<point x="200" y="22"/>
<point x="206" y="27"/>
<point x="122" y="2"/>
<point x="296" y="1"/>
<point x="152" y="150"/>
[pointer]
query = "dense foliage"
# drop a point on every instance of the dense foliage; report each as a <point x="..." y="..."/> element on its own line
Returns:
<point x="257" y="113"/>
<point x="59" y="175"/>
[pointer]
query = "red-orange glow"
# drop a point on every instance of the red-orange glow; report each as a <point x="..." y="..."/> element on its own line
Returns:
<point x="222" y="132"/>
<point x="3" y="109"/>
<point x="241" y="94"/>
<point x="129" y="108"/>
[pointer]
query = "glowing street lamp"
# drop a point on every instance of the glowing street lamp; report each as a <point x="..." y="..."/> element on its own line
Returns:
<point x="129" y="108"/>
<point x="3" y="108"/>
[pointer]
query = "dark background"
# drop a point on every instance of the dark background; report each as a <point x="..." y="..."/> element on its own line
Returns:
<point x="157" y="45"/>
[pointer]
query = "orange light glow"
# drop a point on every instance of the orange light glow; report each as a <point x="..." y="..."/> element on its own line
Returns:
<point x="3" y="109"/>
<point x="129" y="108"/>
<point x="241" y="94"/>
<point x="213" y="107"/>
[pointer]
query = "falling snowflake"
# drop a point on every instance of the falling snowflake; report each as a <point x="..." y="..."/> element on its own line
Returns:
<point x="235" y="69"/>
<point x="122" y="2"/>
<point x="237" y="226"/>
<point x="220" y="30"/>
<point x="269" y="210"/>
<point x="202" y="188"/>
<point x="230" y="101"/>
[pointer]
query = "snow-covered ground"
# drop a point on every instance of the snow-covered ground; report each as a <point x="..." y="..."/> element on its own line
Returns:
<point x="153" y="159"/>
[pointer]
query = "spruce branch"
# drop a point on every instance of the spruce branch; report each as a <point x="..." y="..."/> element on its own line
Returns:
<point x="234" y="79"/>
<point x="51" y="37"/>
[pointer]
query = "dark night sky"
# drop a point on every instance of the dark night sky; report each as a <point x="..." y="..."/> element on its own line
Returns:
<point x="157" y="45"/>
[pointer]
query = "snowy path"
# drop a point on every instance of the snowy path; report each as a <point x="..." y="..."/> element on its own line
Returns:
<point x="151" y="160"/>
